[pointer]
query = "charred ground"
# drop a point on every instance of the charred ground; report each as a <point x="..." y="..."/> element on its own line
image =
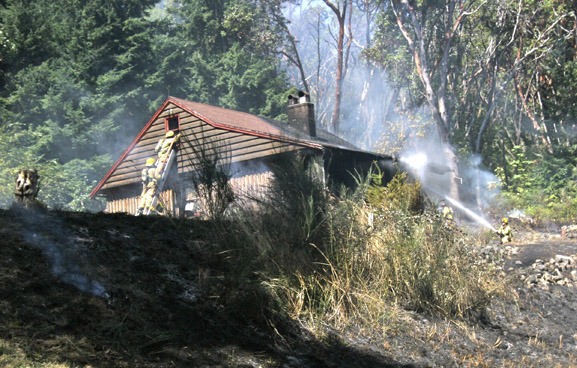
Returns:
<point x="96" y="290"/>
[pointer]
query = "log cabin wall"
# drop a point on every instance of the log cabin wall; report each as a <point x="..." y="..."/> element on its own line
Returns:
<point x="251" y="186"/>
<point x="122" y="199"/>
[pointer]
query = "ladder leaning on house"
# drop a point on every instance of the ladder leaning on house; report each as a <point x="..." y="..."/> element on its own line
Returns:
<point x="165" y="170"/>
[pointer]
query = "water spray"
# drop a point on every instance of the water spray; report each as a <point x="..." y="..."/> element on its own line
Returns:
<point x="472" y="214"/>
<point x="420" y="165"/>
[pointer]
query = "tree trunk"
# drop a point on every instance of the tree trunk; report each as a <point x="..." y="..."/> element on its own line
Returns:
<point x="339" y="74"/>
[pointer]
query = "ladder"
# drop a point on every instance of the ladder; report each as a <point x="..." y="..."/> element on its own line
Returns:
<point x="164" y="175"/>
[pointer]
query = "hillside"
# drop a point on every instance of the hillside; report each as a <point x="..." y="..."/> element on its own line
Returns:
<point x="96" y="290"/>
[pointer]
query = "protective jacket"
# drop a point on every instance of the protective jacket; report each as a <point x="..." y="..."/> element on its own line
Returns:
<point x="149" y="180"/>
<point x="149" y="177"/>
<point x="505" y="233"/>
<point x="447" y="213"/>
<point x="162" y="148"/>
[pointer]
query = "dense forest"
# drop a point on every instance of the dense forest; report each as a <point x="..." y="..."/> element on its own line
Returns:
<point x="493" y="84"/>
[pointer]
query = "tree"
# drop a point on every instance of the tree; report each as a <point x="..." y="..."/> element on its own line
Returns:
<point x="222" y="53"/>
<point x="483" y="69"/>
<point x="350" y="94"/>
<point x="340" y="11"/>
<point x="433" y="65"/>
<point x="73" y="69"/>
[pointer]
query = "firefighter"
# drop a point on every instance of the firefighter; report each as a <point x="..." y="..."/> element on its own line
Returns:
<point x="149" y="180"/>
<point x="446" y="212"/>
<point x="504" y="232"/>
<point x="163" y="146"/>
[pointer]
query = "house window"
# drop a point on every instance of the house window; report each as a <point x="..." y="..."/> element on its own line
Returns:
<point x="172" y="123"/>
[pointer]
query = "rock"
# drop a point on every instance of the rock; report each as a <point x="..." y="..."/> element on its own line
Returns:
<point x="569" y="231"/>
<point x="561" y="258"/>
<point x="532" y="279"/>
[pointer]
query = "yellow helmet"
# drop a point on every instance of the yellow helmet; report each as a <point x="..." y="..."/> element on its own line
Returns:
<point x="505" y="220"/>
<point x="150" y="161"/>
<point x="169" y="134"/>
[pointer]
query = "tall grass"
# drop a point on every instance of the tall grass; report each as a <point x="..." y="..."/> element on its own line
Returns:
<point x="355" y="258"/>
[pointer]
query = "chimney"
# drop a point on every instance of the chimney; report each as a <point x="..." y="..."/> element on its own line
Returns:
<point x="301" y="113"/>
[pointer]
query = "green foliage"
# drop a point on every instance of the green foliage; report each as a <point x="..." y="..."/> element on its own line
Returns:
<point x="516" y="175"/>
<point x="398" y="195"/>
<point x="396" y="59"/>
<point x="544" y="185"/>
<point x="67" y="186"/>
<point x="12" y="160"/>
<point x="220" y="56"/>
<point x="73" y="69"/>
<point x="77" y="74"/>
<point x="62" y="185"/>
<point x="504" y="76"/>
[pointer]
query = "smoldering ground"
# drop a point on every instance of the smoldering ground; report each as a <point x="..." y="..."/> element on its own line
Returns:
<point x="65" y="250"/>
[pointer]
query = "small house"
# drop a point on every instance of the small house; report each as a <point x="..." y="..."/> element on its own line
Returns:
<point x="249" y="143"/>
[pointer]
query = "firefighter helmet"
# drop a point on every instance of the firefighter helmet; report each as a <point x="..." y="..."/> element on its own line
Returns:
<point x="150" y="161"/>
<point x="505" y="220"/>
<point x="169" y="134"/>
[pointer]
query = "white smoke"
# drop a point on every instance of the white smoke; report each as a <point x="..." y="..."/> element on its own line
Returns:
<point x="370" y="118"/>
<point x="367" y="99"/>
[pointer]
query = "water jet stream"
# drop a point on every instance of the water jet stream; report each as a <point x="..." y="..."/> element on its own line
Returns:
<point x="476" y="217"/>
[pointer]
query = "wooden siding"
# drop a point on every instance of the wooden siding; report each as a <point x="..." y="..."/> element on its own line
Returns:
<point x="249" y="181"/>
<point x="130" y="204"/>
<point x="250" y="187"/>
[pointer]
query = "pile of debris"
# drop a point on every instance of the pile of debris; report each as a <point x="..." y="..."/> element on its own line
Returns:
<point x="569" y="231"/>
<point x="495" y="254"/>
<point x="560" y="270"/>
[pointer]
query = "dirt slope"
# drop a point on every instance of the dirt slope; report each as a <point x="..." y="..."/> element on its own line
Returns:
<point x="95" y="290"/>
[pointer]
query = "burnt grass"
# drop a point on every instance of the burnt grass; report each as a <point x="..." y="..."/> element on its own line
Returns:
<point x="98" y="290"/>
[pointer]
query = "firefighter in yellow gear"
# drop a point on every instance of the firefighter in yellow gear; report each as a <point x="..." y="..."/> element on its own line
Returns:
<point x="163" y="146"/>
<point x="149" y="180"/>
<point x="446" y="212"/>
<point x="504" y="232"/>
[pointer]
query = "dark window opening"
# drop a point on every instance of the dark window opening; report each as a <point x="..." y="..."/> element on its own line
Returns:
<point x="172" y="123"/>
